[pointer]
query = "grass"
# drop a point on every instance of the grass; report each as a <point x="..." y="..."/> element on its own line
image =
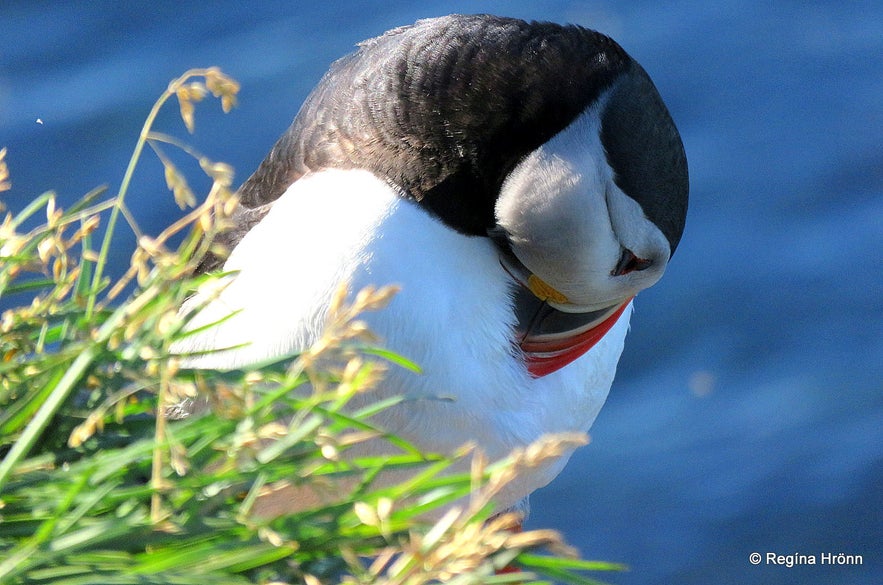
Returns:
<point x="100" y="484"/>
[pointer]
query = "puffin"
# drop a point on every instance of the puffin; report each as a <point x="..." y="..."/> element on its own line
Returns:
<point x="519" y="181"/>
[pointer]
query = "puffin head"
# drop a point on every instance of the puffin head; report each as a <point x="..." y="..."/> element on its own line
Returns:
<point x="591" y="217"/>
<point x="549" y="139"/>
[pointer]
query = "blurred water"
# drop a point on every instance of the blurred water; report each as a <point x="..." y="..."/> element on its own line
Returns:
<point x="748" y="413"/>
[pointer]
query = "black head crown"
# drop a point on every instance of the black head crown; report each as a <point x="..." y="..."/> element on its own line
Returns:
<point x="444" y="110"/>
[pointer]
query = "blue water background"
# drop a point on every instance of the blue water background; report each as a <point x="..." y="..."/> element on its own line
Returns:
<point x="748" y="410"/>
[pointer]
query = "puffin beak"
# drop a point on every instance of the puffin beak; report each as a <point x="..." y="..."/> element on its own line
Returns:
<point x="550" y="338"/>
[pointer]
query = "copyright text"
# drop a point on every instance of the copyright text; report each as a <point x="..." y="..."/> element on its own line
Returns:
<point x="794" y="559"/>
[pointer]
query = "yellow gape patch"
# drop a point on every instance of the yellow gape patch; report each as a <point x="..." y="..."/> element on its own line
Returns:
<point x="544" y="291"/>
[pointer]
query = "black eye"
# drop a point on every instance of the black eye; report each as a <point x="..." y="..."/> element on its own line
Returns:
<point x="628" y="262"/>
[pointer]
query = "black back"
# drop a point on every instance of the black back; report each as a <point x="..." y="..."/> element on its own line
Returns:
<point x="444" y="109"/>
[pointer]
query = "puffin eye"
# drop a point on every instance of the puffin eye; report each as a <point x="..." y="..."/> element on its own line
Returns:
<point x="628" y="262"/>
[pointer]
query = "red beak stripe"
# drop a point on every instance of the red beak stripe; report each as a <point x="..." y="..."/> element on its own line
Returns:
<point x="546" y="356"/>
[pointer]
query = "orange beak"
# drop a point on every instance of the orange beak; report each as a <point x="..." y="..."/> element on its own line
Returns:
<point x="548" y="348"/>
<point x="549" y="338"/>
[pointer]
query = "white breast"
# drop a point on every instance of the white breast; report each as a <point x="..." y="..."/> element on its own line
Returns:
<point x="453" y="317"/>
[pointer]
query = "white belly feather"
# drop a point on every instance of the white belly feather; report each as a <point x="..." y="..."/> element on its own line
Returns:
<point x="453" y="317"/>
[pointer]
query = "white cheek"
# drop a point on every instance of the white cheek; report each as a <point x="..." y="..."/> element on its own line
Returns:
<point x="568" y="222"/>
<point x="557" y="219"/>
<point x="554" y="208"/>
